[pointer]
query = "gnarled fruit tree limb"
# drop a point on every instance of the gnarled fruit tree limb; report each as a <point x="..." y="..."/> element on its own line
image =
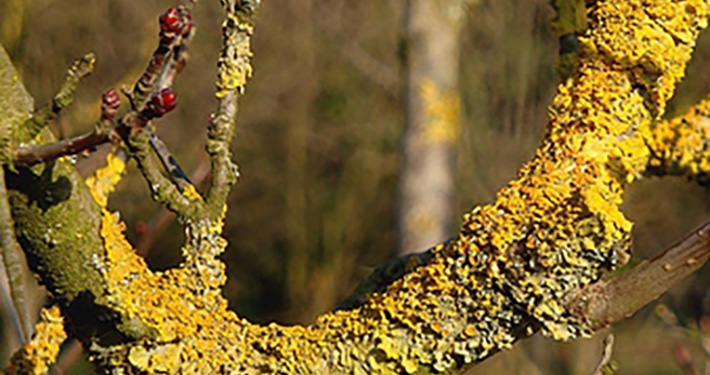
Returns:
<point x="515" y="264"/>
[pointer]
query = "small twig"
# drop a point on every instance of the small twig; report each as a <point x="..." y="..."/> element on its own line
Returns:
<point x="605" y="361"/>
<point x="178" y="58"/>
<point x="233" y="71"/>
<point x="72" y="146"/>
<point x="219" y="135"/>
<point x="64" y="97"/>
<point x="102" y="133"/>
<point x="377" y="71"/>
<point x="607" y="302"/>
<point x="173" y="25"/>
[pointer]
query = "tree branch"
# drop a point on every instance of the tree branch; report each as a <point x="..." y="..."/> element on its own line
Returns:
<point x="607" y="302"/>
<point x="553" y="231"/>
<point x="64" y="97"/>
<point x="233" y="71"/>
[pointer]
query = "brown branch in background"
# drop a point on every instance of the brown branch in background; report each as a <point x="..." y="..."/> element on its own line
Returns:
<point x="383" y="75"/>
<point x="64" y="97"/>
<point x="607" y="302"/>
<point x="379" y="72"/>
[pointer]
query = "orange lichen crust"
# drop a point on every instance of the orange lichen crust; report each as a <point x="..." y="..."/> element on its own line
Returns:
<point x="36" y="356"/>
<point x="681" y="146"/>
<point x="555" y="228"/>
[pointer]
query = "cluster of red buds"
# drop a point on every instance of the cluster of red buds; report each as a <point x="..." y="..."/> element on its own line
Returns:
<point x="160" y="103"/>
<point x="109" y="104"/>
<point x="175" y="22"/>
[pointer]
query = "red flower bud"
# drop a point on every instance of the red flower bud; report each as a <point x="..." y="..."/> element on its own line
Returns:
<point x="110" y="101"/>
<point x="161" y="103"/>
<point x="170" y="21"/>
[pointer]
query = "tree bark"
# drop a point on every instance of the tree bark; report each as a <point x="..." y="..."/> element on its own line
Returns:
<point x="551" y="233"/>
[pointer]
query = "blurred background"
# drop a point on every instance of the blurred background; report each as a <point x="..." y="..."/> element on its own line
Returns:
<point x="319" y="146"/>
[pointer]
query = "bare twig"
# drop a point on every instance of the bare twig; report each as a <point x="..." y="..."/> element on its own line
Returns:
<point x="102" y="133"/>
<point x="64" y="97"/>
<point x="51" y="151"/>
<point x="607" y="302"/>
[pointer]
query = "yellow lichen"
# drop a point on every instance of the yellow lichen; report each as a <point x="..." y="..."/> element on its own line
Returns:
<point x="234" y="67"/>
<point x="191" y="193"/>
<point x="555" y="228"/>
<point x="105" y="179"/>
<point x="36" y="356"/>
<point x="680" y="146"/>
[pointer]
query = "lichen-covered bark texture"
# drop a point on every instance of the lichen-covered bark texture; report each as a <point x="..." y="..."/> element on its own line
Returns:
<point x="37" y="355"/>
<point x="555" y="228"/>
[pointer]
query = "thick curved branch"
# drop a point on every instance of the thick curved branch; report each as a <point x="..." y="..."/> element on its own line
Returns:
<point x="554" y="230"/>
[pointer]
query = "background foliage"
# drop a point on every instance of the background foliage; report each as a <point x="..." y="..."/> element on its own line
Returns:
<point x="319" y="143"/>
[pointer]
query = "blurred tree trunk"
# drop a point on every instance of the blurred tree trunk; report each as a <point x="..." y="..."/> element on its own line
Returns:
<point x="430" y="56"/>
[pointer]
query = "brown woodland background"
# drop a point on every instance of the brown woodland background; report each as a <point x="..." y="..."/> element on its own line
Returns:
<point x="319" y="139"/>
